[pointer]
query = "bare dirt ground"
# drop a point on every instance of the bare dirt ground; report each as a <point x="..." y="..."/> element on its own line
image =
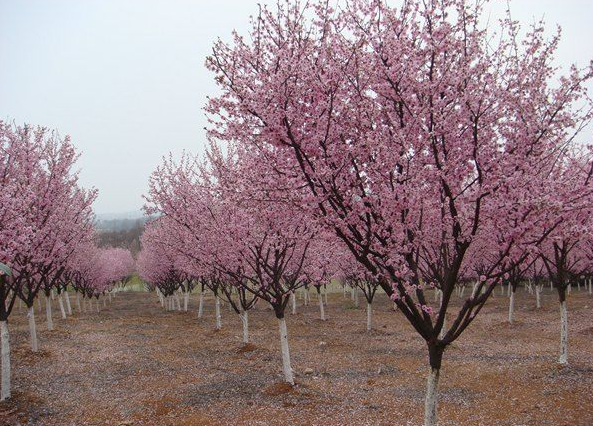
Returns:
<point x="134" y="364"/>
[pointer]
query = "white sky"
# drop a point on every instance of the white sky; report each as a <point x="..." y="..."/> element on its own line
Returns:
<point x="126" y="78"/>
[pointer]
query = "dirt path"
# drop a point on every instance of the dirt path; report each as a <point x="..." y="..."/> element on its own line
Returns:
<point x="134" y="364"/>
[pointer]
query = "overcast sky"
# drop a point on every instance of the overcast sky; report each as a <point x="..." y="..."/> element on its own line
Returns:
<point x="126" y="79"/>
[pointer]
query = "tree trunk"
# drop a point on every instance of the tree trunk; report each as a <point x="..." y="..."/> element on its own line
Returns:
<point x="369" y="316"/>
<point x="61" y="303"/>
<point x="435" y="355"/>
<point x="50" y="322"/>
<point x="285" y="351"/>
<point x="245" y="322"/>
<point x="68" y="305"/>
<point x="39" y="305"/>
<point x="321" y="308"/>
<point x="512" y="306"/>
<point x="32" y="329"/>
<point x="430" y="403"/>
<point x="217" y="312"/>
<point x="474" y="290"/>
<point x="201" y="305"/>
<point x="356" y="299"/>
<point x="293" y="300"/>
<point x="5" y="340"/>
<point x="185" y="300"/>
<point x="177" y="302"/>
<point x="563" y="333"/>
<point x="538" y="301"/>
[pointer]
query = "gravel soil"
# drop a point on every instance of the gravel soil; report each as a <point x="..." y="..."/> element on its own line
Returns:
<point x="135" y="364"/>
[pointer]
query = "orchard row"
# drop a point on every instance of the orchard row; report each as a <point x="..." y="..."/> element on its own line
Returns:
<point x="47" y="236"/>
<point x="401" y="148"/>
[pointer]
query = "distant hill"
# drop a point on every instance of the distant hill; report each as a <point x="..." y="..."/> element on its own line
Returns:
<point x="108" y="220"/>
<point x="119" y="224"/>
<point x="121" y="230"/>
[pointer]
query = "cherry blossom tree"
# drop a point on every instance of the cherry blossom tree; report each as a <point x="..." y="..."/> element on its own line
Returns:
<point x="413" y="133"/>
<point x="322" y="265"/>
<point x="562" y="253"/>
<point x="235" y="229"/>
<point x="45" y="216"/>
<point x="159" y="266"/>
<point x="5" y="275"/>
<point x="360" y="278"/>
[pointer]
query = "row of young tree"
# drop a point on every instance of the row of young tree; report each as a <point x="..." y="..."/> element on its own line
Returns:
<point x="47" y="239"/>
<point x="414" y="142"/>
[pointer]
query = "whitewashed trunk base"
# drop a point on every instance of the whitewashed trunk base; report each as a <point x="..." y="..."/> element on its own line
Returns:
<point x="5" y="341"/>
<point x="201" y="306"/>
<point x="32" y="329"/>
<point x="430" y="403"/>
<point x="563" y="334"/>
<point x="512" y="307"/>
<point x="217" y="313"/>
<point x="245" y="322"/>
<point x="286" y="368"/>
<point x="321" y="308"/>
<point x="50" y="321"/>
<point x="68" y="304"/>
<point x="61" y="304"/>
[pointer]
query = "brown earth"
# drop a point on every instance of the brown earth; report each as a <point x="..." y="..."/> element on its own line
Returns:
<point x="134" y="364"/>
